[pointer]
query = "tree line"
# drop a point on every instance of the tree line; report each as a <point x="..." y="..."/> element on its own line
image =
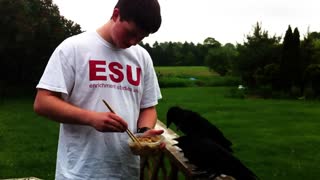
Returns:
<point x="31" y="30"/>
<point x="266" y="65"/>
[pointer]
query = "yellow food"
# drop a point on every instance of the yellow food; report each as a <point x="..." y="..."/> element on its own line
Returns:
<point x="150" y="139"/>
<point x="149" y="145"/>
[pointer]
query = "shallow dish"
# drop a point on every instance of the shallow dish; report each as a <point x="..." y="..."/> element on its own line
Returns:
<point x="149" y="144"/>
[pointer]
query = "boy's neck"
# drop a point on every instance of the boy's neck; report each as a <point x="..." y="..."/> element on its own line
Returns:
<point x="105" y="32"/>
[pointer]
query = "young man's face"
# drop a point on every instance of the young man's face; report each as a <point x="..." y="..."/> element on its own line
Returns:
<point x="125" y="34"/>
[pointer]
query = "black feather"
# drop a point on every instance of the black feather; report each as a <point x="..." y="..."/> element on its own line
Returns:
<point x="191" y="123"/>
<point x="209" y="156"/>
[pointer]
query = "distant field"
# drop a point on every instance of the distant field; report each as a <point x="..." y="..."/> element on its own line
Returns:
<point x="192" y="76"/>
<point x="190" y="71"/>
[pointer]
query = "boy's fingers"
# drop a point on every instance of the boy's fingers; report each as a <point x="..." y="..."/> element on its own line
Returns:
<point x="153" y="132"/>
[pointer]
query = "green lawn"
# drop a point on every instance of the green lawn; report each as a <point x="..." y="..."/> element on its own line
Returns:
<point x="27" y="142"/>
<point x="189" y="71"/>
<point x="277" y="139"/>
<point x="192" y="76"/>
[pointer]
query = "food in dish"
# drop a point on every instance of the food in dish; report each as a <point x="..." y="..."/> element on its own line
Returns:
<point x="148" y="144"/>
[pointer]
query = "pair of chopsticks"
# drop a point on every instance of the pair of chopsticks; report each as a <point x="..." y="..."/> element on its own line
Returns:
<point x="131" y="135"/>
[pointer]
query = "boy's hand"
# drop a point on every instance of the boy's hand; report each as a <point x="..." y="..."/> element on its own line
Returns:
<point x="107" y="122"/>
<point x="154" y="132"/>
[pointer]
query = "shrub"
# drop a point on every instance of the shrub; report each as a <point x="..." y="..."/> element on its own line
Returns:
<point x="234" y="92"/>
<point x="295" y="91"/>
<point x="224" y="81"/>
<point x="309" y="93"/>
<point x="165" y="82"/>
<point x="265" y="91"/>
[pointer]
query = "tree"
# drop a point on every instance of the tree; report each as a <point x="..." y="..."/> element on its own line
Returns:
<point x="220" y="59"/>
<point x="287" y="55"/>
<point x="30" y="32"/>
<point x="258" y="51"/>
<point x="312" y="74"/>
<point x="211" y="42"/>
<point x="310" y="48"/>
<point x="297" y="61"/>
<point x="291" y="67"/>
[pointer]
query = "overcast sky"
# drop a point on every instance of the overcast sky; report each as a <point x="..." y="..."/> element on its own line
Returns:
<point x="195" y="20"/>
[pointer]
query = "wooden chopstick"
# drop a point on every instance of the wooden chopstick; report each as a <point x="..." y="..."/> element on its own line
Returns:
<point x="131" y="135"/>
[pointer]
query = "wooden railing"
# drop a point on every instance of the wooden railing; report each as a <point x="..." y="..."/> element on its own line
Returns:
<point x="171" y="164"/>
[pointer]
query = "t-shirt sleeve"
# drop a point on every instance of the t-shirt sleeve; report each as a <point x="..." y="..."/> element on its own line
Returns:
<point x="59" y="73"/>
<point x="151" y="93"/>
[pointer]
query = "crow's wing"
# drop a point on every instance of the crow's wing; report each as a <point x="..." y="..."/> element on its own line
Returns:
<point x="210" y="156"/>
<point x="207" y="128"/>
<point x="174" y="115"/>
<point x="192" y="123"/>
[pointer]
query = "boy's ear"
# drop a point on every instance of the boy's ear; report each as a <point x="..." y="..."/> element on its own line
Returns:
<point x="115" y="14"/>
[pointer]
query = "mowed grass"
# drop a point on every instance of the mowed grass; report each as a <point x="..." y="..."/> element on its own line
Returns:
<point x="188" y="71"/>
<point x="192" y="76"/>
<point x="28" y="143"/>
<point x="277" y="139"/>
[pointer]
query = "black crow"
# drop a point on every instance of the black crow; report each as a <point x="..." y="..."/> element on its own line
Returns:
<point x="191" y="123"/>
<point x="211" y="157"/>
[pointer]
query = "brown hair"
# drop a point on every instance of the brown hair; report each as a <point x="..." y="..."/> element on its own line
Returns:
<point x="144" y="13"/>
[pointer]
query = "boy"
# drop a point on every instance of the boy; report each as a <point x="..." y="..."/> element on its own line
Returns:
<point x="106" y="64"/>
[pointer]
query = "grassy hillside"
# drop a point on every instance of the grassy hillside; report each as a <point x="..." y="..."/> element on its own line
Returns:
<point x="192" y="76"/>
<point x="187" y="71"/>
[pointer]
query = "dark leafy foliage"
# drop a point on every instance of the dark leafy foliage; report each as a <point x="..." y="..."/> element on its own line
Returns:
<point x="30" y="30"/>
<point x="259" y="51"/>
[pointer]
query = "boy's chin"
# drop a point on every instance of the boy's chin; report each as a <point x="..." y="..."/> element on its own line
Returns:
<point x="123" y="46"/>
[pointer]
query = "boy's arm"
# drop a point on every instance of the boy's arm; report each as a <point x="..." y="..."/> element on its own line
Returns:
<point x="49" y="104"/>
<point x="148" y="119"/>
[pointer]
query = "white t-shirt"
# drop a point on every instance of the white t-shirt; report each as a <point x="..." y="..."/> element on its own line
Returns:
<point x="86" y="69"/>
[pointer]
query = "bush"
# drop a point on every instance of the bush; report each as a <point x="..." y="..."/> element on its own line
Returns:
<point x="265" y="91"/>
<point x="234" y="92"/>
<point x="295" y="91"/>
<point x="165" y="82"/>
<point x="312" y="75"/>
<point x="224" y="81"/>
<point x="309" y="93"/>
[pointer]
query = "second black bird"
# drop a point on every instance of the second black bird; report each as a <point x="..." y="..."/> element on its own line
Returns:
<point x="191" y="123"/>
<point x="211" y="157"/>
